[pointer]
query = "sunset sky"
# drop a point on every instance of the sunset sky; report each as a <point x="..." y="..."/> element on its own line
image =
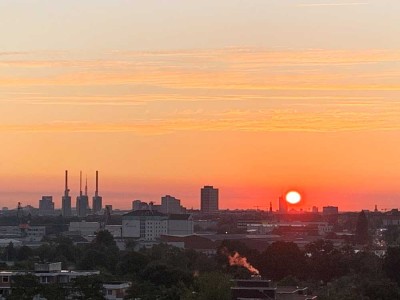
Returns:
<point x="255" y="97"/>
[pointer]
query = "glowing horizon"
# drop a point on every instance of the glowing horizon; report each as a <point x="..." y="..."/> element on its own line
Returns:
<point x="253" y="97"/>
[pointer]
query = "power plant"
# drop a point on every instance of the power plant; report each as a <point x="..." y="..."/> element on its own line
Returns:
<point x="97" y="203"/>
<point x="82" y="201"/>
<point x="66" y="199"/>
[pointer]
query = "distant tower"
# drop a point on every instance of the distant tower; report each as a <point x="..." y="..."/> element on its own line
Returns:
<point x="46" y="206"/>
<point x="82" y="201"/>
<point x="97" y="203"/>
<point x="270" y="207"/>
<point x="209" y="199"/>
<point x="66" y="199"/>
<point x="283" y="206"/>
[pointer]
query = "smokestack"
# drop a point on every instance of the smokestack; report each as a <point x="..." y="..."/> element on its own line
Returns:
<point x="66" y="183"/>
<point x="66" y="179"/>
<point x="80" y="183"/>
<point x="96" y="193"/>
<point x="86" y="187"/>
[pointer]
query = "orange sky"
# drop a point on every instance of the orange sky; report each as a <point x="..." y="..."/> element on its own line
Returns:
<point x="253" y="98"/>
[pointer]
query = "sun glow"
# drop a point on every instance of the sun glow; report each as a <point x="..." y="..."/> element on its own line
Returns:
<point x="293" y="197"/>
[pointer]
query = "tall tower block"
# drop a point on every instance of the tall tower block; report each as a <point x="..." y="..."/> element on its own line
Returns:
<point x="209" y="199"/>
<point x="66" y="199"/>
<point x="97" y="203"/>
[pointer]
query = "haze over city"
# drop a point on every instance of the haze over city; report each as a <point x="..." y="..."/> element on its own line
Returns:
<point x="163" y="97"/>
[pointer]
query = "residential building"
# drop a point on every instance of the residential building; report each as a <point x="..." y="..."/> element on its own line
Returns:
<point x="46" y="206"/>
<point x="144" y="224"/>
<point x="180" y="224"/>
<point x="26" y="233"/>
<point x="46" y="273"/>
<point x="84" y="228"/>
<point x="139" y="205"/>
<point x="170" y="205"/>
<point x="330" y="210"/>
<point x="209" y="199"/>
<point x="149" y="225"/>
<point x="261" y="289"/>
<point x="115" y="290"/>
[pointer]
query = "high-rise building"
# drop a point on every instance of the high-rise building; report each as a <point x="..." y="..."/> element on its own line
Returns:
<point x="170" y="205"/>
<point x="66" y="199"/>
<point x="330" y="210"/>
<point x="82" y="201"/>
<point x="209" y="199"/>
<point x="97" y="204"/>
<point x="139" y="205"/>
<point x="46" y="206"/>
<point x="283" y="206"/>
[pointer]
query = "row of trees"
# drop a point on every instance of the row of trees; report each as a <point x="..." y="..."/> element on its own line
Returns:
<point x="165" y="272"/>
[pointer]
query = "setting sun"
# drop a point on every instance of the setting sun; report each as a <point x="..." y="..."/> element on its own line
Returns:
<point x="293" y="197"/>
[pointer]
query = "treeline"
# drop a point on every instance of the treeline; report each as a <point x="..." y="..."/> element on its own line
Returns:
<point x="165" y="272"/>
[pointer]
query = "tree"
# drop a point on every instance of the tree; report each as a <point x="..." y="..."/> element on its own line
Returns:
<point x="142" y="290"/>
<point x="24" y="253"/>
<point x="392" y="263"/>
<point x="9" y="252"/>
<point x="55" y="291"/>
<point x="87" y="288"/>
<point x="282" y="259"/>
<point x="362" y="236"/>
<point x="207" y="286"/>
<point x="324" y="261"/>
<point x="161" y="274"/>
<point x="132" y="263"/>
<point x="24" y="287"/>
<point x="101" y="253"/>
<point x="360" y="287"/>
<point x="104" y="238"/>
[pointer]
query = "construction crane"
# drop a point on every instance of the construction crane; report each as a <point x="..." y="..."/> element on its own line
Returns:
<point x="22" y="223"/>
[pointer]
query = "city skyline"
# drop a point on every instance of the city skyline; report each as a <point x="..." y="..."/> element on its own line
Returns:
<point x="303" y="204"/>
<point x="254" y="97"/>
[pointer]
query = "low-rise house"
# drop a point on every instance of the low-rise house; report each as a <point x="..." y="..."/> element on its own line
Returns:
<point x="46" y="273"/>
<point x="262" y="289"/>
<point x="115" y="290"/>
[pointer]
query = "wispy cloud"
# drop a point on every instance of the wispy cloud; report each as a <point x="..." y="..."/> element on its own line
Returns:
<point x="229" y="69"/>
<point x="207" y="90"/>
<point x="332" y="4"/>
<point x="248" y="120"/>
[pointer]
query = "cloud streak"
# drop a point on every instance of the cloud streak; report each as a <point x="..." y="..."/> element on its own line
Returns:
<point x="206" y="90"/>
<point x="332" y="4"/>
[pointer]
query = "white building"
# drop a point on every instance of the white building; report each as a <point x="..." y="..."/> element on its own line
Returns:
<point x="46" y="273"/>
<point x="115" y="290"/>
<point x="170" y="205"/>
<point x="180" y="224"/>
<point x="84" y="228"/>
<point x="149" y="225"/>
<point x="115" y="230"/>
<point x="27" y="233"/>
